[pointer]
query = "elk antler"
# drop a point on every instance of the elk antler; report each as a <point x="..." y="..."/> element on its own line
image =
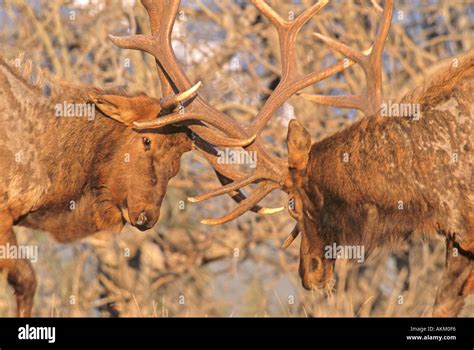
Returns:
<point x="173" y="100"/>
<point x="215" y="128"/>
<point x="370" y="61"/>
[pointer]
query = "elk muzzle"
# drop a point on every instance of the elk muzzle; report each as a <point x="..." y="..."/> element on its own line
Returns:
<point x="316" y="272"/>
<point x="146" y="219"/>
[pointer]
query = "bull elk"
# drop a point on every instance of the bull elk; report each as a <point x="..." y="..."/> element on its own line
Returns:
<point x="378" y="181"/>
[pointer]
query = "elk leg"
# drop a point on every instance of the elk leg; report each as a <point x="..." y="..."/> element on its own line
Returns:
<point x="451" y="290"/>
<point x="20" y="274"/>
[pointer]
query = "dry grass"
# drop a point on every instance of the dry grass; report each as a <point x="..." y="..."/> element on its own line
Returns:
<point x="253" y="289"/>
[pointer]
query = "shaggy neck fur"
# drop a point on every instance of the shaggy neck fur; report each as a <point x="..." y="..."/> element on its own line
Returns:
<point x="62" y="159"/>
<point x="386" y="178"/>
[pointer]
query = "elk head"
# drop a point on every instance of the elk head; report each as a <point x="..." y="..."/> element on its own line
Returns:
<point x="144" y="160"/>
<point x="213" y="128"/>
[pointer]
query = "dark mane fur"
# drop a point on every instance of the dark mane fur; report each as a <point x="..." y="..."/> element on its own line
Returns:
<point x="394" y="159"/>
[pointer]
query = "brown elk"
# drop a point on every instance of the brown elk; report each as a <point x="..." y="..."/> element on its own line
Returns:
<point x="74" y="176"/>
<point x="379" y="181"/>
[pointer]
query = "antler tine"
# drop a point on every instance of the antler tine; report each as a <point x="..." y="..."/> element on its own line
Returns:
<point x="205" y="133"/>
<point x="217" y="139"/>
<point x="291" y="237"/>
<point x="134" y="42"/>
<point x="233" y="186"/>
<point x="377" y="52"/>
<point x="348" y="51"/>
<point x="179" y="117"/>
<point x="269" y="13"/>
<point x="370" y="61"/>
<point x="228" y="176"/>
<point x="261" y="192"/>
<point x="173" y="100"/>
<point x="238" y="196"/>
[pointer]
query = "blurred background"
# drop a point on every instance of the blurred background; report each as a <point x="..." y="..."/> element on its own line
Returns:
<point x="183" y="268"/>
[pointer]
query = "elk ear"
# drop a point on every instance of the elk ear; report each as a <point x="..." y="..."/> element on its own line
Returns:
<point x="299" y="145"/>
<point x="128" y="110"/>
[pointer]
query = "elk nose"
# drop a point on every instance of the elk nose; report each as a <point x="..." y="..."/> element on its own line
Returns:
<point x="315" y="264"/>
<point x="142" y="221"/>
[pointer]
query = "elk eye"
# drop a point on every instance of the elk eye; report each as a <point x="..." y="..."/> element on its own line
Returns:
<point x="146" y="143"/>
